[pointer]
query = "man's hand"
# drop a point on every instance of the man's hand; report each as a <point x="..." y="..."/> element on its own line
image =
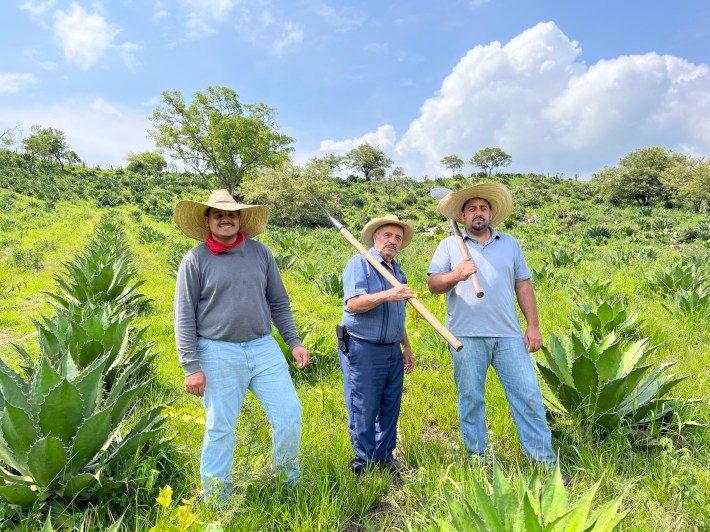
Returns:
<point x="302" y="356"/>
<point x="465" y="269"/>
<point x="195" y="383"/>
<point x="408" y="360"/>
<point x="400" y="293"/>
<point x="533" y="339"/>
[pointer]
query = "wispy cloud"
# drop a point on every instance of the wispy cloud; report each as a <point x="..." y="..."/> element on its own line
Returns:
<point x="14" y="82"/>
<point x="205" y="15"/>
<point x="38" y="8"/>
<point x="290" y="35"/>
<point x="85" y="37"/>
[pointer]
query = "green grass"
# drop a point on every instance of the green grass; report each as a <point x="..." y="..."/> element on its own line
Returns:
<point x="667" y="482"/>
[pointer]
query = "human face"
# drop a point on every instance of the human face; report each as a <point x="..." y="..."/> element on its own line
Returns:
<point x="224" y="225"/>
<point x="388" y="240"/>
<point x="477" y="215"/>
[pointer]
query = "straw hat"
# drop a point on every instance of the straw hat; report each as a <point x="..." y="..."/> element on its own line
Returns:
<point x="369" y="230"/>
<point x="497" y="195"/>
<point x="190" y="215"/>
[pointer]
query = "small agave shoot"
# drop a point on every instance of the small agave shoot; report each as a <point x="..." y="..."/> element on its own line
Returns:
<point x="605" y="383"/>
<point x="537" y="505"/>
<point x="601" y="319"/>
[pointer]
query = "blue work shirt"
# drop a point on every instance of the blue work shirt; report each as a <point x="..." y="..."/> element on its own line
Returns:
<point x="383" y="324"/>
<point x="501" y="265"/>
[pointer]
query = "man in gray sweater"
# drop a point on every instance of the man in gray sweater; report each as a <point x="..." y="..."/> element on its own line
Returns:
<point x="227" y="294"/>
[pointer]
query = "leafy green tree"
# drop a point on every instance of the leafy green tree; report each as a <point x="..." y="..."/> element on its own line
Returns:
<point x="689" y="180"/>
<point x="48" y="144"/>
<point x="291" y="192"/>
<point x="146" y="162"/>
<point x="488" y="159"/>
<point x="453" y="163"/>
<point x="366" y="159"/>
<point x="638" y="176"/>
<point x="220" y="138"/>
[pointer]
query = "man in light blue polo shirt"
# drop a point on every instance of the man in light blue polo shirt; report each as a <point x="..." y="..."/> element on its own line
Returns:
<point x="488" y="327"/>
<point x="375" y="352"/>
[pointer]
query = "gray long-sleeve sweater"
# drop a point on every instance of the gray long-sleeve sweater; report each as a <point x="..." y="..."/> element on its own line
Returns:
<point x="232" y="297"/>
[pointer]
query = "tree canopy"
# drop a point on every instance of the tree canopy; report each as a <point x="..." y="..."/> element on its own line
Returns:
<point x="688" y="180"/>
<point x="49" y="144"/>
<point x="638" y="176"/>
<point x="367" y="159"/>
<point x="453" y="163"/>
<point x="218" y="137"/>
<point x="488" y="159"/>
<point x="146" y="162"/>
<point x="290" y="191"/>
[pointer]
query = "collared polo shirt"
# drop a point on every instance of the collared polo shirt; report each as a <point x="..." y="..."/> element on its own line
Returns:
<point x="500" y="264"/>
<point x="383" y="324"/>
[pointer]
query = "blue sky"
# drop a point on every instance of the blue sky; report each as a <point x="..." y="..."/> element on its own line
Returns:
<point x="565" y="87"/>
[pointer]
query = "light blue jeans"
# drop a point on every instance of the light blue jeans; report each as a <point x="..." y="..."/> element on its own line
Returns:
<point x="230" y="370"/>
<point x="511" y="361"/>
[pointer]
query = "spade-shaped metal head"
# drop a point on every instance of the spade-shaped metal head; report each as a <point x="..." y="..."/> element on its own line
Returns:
<point x="438" y="193"/>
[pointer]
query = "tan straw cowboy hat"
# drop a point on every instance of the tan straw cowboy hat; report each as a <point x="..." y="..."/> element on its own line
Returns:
<point x="369" y="230"/>
<point x="497" y="195"/>
<point x="190" y="215"/>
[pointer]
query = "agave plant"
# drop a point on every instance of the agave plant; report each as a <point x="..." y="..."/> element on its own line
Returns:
<point x="604" y="383"/>
<point x="592" y="289"/>
<point x="62" y="430"/>
<point x="79" y="338"/>
<point x="536" y="505"/>
<point x="677" y="277"/>
<point x="603" y="318"/>
<point x="690" y="302"/>
<point x="563" y="257"/>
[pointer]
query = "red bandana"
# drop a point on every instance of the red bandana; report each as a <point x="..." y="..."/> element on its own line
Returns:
<point x="217" y="247"/>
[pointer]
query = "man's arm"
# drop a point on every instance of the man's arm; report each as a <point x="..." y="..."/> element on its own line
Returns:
<point x="365" y="302"/>
<point x="440" y="283"/>
<point x="526" y="300"/>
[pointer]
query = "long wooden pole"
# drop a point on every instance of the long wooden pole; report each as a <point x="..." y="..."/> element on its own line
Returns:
<point x="428" y="316"/>
<point x="464" y="253"/>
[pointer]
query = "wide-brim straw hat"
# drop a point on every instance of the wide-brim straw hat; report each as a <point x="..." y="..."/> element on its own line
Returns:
<point x="498" y="196"/>
<point x="368" y="231"/>
<point x="190" y="215"/>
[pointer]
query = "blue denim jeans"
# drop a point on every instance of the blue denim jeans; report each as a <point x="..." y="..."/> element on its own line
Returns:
<point x="373" y="375"/>
<point x="511" y="361"/>
<point x="230" y="370"/>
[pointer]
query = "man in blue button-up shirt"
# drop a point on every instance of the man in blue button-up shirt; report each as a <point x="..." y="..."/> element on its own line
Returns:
<point x="377" y="353"/>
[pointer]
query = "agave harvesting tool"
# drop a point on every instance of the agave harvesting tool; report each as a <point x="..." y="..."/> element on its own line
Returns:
<point x="428" y="316"/>
<point x="439" y="193"/>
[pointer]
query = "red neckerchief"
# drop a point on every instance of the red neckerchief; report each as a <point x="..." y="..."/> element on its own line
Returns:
<point x="217" y="247"/>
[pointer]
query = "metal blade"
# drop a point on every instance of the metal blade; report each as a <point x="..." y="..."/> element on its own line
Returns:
<point x="439" y="192"/>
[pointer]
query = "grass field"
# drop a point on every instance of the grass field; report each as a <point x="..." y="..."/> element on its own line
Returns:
<point x="662" y="474"/>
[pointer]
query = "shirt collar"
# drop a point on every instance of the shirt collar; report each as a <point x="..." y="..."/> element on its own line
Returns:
<point x="494" y="236"/>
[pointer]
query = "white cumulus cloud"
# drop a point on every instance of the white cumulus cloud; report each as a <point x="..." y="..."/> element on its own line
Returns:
<point x="537" y="100"/>
<point x="15" y="81"/>
<point x="85" y="37"/>
<point x="383" y="138"/>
